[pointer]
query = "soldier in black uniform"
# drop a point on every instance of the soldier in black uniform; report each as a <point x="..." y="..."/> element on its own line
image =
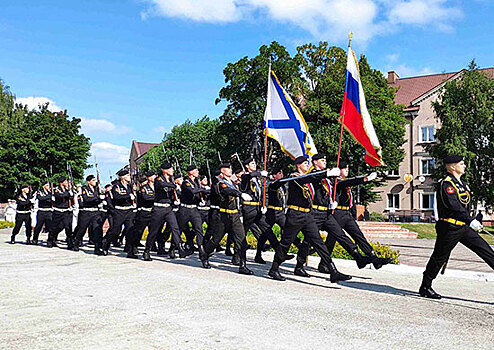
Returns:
<point x="342" y="214"/>
<point x="89" y="215"/>
<point x="123" y="199"/>
<point x="62" y="214"/>
<point x="45" y="210"/>
<point x="300" y="217"/>
<point x="23" y="214"/>
<point x="164" y="196"/>
<point x="192" y="193"/>
<point x="145" y="202"/>
<point x="229" y="217"/>
<point x="455" y="224"/>
<point x="322" y="207"/>
<point x="106" y="207"/>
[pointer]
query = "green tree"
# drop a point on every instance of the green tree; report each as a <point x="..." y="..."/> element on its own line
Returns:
<point x="465" y="109"/>
<point x="39" y="141"/>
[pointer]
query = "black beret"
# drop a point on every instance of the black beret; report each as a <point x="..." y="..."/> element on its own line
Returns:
<point x="123" y="172"/>
<point x="237" y="170"/>
<point x="24" y="186"/>
<point x="166" y="165"/>
<point x="301" y="159"/>
<point x="276" y="169"/>
<point x="191" y="167"/>
<point x="114" y="182"/>
<point x="319" y="156"/>
<point x="225" y="165"/>
<point x="107" y="185"/>
<point x="61" y="179"/>
<point x="202" y="177"/>
<point x="142" y="179"/>
<point x="452" y="158"/>
<point x="248" y="160"/>
<point x="89" y="177"/>
<point x="46" y="182"/>
<point x="149" y="173"/>
<point x="343" y="164"/>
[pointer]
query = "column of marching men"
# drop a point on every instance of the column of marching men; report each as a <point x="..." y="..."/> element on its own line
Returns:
<point x="169" y="205"/>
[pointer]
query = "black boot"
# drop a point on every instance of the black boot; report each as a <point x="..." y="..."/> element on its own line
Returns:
<point x="337" y="276"/>
<point x="204" y="257"/>
<point x="97" y="249"/>
<point x="276" y="275"/>
<point x="184" y="252"/>
<point x="172" y="255"/>
<point x="75" y="248"/>
<point x="28" y="240"/>
<point x="362" y="261"/>
<point x="34" y="242"/>
<point x="228" y="251"/>
<point x="243" y="269"/>
<point x="161" y="250"/>
<point x="322" y="268"/>
<point x="146" y="256"/>
<point x="131" y="254"/>
<point x="236" y="260"/>
<point x="105" y="246"/>
<point x="49" y="244"/>
<point x="427" y="292"/>
<point x="300" y="271"/>
<point x="70" y="243"/>
<point x="379" y="262"/>
<point x="258" y="259"/>
<point x="12" y="239"/>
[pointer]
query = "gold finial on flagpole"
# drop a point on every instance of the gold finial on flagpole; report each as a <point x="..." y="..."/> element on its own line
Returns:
<point x="350" y="36"/>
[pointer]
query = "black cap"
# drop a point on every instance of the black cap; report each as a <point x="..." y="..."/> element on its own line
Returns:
<point x="452" y="158"/>
<point x="107" y="185"/>
<point x="343" y="164"/>
<point x="191" y="167"/>
<point x="248" y="160"/>
<point x="89" y="177"/>
<point x="301" y="159"/>
<point x="61" y="179"/>
<point x="166" y="165"/>
<point x="149" y="173"/>
<point x="142" y="179"/>
<point x="202" y="177"/>
<point x="46" y="182"/>
<point x="276" y="169"/>
<point x="319" y="156"/>
<point x="123" y="172"/>
<point x="225" y="165"/>
<point x="114" y="181"/>
<point x="24" y="186"/>
<point x="237" y="170"/>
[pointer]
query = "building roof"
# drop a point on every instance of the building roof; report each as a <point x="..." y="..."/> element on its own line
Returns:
<point x="411" y="88"/>
<point x="142" y="147"/>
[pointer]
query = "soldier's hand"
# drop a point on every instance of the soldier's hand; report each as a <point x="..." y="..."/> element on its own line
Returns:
<point x="264" y="210"/>
<point x="176" y="203"/>
<point x="333" y="205"/>
<point x="335" y="172"/>
<point x="101" y="196"/>
<point x="132" y="197"/>
<point x="264" y="173"/>
<point x="371" y="176"/>
<point x="246" y="197"/>
<point x="476" y="225"/>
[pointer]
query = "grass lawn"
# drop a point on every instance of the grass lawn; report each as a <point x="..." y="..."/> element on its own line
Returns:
<point x="428" y="231"/>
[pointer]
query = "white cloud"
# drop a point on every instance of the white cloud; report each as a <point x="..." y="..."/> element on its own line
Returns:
<point x="404" y="70"/>
<point x="33" y="102"/>
<point x="161" y="129"/>
<point x="109" y="153"/>
<point x="323" y="19"/>
<point x="89" y="126"/>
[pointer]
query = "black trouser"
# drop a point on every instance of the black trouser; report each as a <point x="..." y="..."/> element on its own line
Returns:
<point x="327" y="222"/>
<point x="121" y="217"/>
<point x="160" y="215"/>
<point x="448" y="236"/>
<point x="22" y="219"/>
<point x="143" y="220"/>
<point x="298" y="221"/>
<point x="193" y="216"/>
<point x="231" y="223"/>
<point x="252" y="216"/>
<point x="89" y="220"/>
<point x="61" y="221"/>
<point x="345" y="219"/>
<point x="43" y="217"/>
<point x="274" y="216"/>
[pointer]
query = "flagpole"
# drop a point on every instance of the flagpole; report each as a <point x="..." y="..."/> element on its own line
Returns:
<point x="266" y="144"/>
<point x="350" y="36"/>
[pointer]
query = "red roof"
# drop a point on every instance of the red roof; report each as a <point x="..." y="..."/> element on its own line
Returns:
<point x="143" y="147"/>
<point x="411" y="88"/>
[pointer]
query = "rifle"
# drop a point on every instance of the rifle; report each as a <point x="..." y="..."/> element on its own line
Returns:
<point x="238" y="158"/>
<point x="209" y="173"/>
<point x="219" y="157"/>
<point x="71" y="184"/>
<point x="97" y="175"/>
<point x="51" y="176"/>
<point x="178" y="166"/>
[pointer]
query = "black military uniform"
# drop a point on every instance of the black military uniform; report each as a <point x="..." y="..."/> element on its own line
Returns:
<point x="454" y="225"/>
<point x="145" y="202"/>
<point x="228" y="220"/>
<point x="22" y="216"/>
<point x="45" y="212"/>
<point x="123" y="200"/>
<point x="62" y="215"/>
<point x="106" y="208"/>
<point x="300" y="218"/>
<point x="164" y="196"/>
<point x="90" y="217"/>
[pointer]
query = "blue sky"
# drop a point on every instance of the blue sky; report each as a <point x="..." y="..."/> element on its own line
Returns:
<point x="134" y="68"/>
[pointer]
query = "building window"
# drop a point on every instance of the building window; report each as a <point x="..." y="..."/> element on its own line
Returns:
<point x="393" y="201"/>
<point x="427" y="200"/>
<point x="427" y="133"/>
<point x="427" y="165"/>
<point x="393" y="172"/>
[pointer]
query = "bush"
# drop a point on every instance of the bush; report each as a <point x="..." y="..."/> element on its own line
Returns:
<point x="6" y="224"/>
<point x="377" y="217"/>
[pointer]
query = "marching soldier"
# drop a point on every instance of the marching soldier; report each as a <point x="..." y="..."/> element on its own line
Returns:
<point x="23" y="214"/>
<point x="300" y="217"/>
<point x="45" y="210"/>
<point x="89" y="215"/>
<point x="123" y="200"/>
<point x="62" y="214"/>
<point x="106" y="207"/>
<point x="145" y="202"/>
<point x="455" y="224"/>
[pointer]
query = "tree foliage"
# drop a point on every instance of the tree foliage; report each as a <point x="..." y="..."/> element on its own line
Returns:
<point x="465" y="110"/>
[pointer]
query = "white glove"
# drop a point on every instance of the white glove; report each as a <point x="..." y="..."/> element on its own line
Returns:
<point x="71" y="193"/>
<point x="132" y="196"/>
<point x="207" y="187"/>
<point x="476" y="225"/>
<point x="176" y="203"/>
<point x="33" y="200"/>
<point x="264" y="173"/>
<point x="333" y="205"/>
<point x="371" y="176"/>
<point x="101" y="196"/>
<point x="335" y="172"/>
<point x="53" y="198"/>
<point x="246" y="197"/>
<point x="264" y="210"/>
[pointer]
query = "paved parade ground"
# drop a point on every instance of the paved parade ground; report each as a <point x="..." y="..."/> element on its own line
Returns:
<point x="58" y="299"/>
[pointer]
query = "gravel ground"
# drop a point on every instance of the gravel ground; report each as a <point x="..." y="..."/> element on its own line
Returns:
<point x="58" y="299"/>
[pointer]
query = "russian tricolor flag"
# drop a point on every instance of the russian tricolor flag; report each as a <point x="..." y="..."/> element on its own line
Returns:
<point x="355" y="116"/>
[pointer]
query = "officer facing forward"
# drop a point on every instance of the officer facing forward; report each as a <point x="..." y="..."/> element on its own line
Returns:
<point x="23" y="214"/>
<point x="455" y="224"/>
